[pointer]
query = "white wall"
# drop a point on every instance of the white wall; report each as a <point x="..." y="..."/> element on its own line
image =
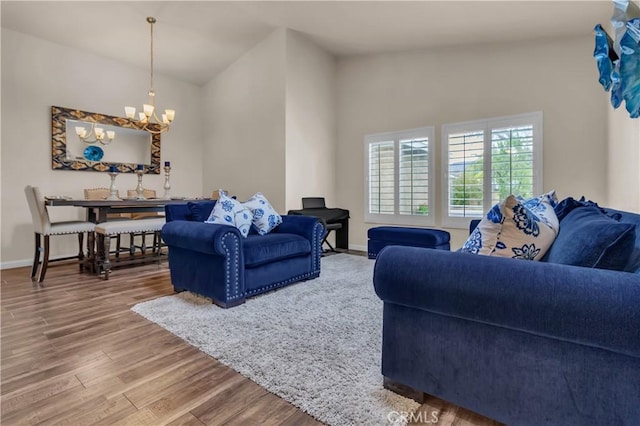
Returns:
<point x="37" y="74"/>
<point x="624" y="159"/>
<point x="244" y="141"/>
<point x="624" y="153"/>
<point x="310" y="122"/>
<point x="398" y="91"/>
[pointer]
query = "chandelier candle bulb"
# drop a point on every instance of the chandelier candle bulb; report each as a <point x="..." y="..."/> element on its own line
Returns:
<point x="148" y="109"/>
<point x="130" y="111"/>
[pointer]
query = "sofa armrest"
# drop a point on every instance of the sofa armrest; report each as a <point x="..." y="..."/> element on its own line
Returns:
<point x="209" y="238"/>
<point x="599" y="308"/>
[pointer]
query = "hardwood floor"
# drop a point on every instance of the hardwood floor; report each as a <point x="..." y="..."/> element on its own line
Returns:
<point x="73" y="353"/>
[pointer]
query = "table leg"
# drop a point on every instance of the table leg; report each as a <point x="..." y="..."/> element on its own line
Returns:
<point x="342" y="235"/>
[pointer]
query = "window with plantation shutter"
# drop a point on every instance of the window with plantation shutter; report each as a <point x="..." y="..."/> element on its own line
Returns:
<point x="381" y="178"/>
<point x="398" y="177"/>
<point x="487" y="160"/>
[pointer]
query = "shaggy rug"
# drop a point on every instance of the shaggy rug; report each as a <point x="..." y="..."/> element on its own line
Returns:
<point x="316" y="344"/>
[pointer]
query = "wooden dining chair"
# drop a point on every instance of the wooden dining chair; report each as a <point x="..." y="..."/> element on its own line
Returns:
<point x="43" y="227"/>
<point x="148" y="194"/>
<point x="102" y="194"/>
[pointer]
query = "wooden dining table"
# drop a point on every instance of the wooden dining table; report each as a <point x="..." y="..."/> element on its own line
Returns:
<point x="97" y="210"/>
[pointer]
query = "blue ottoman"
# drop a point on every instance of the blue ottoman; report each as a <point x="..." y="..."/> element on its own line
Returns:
<point x="383" y="236"/>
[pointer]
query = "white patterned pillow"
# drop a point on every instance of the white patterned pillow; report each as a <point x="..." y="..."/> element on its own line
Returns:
<point x="228" y="211"/>
<point x="265" y="218"/>
<point x="516" y="227"/>
<point x="483" y="239"/>
<point x="528" y="229"/>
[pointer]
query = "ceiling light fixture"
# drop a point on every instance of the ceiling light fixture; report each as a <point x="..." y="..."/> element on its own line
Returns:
<point x="148" y="120"/>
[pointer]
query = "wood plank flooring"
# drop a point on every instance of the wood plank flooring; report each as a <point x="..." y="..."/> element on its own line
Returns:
<point x="73" y="353"/>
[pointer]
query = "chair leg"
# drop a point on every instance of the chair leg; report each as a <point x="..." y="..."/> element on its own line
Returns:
<point x="156" y="243"/>
<point x="118" y="246"/>
<point x="81" y="250"/>
<point x="91" y="250"/>
<point x="106" y="262"/>
<point x="45" y="260"/>
<point x="36" y="255"/>
<point x="143" y="245"/>
<point x="132" y="247"/>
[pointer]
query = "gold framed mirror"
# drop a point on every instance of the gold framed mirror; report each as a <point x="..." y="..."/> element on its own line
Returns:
<point x="122" y="142"/>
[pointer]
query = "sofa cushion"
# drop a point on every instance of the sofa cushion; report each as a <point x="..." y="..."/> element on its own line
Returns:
<point x="261" y="249"/>
<point x="200" y="210"/>
<point x="228" y="211"/>
<point x="592" y="239"/>
<point x="265" y="218"/>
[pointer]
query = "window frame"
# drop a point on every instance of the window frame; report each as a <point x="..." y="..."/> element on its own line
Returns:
<point x="396" y="218"/>
<point x="486" y="126"/>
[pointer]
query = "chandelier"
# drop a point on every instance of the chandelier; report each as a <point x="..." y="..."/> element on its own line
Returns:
<point x="148" y="120"/>
<point x="95" y="134"/>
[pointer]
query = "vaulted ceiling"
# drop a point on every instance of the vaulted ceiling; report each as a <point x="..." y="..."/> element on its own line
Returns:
<point x="196" y="40"/>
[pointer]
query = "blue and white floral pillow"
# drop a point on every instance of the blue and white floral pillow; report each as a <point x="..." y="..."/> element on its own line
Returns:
<point x="516" y="227"/>
<point x="483" y="239"/>
<point x="228" y="211"/>
<point x="265" y="218"/>
<point x="528" y="229"/>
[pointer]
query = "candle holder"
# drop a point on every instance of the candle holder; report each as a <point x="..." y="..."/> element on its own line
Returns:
<point x="167" y="183"/>
<point x="113" y="192"/>
<point x="140" y="188"/>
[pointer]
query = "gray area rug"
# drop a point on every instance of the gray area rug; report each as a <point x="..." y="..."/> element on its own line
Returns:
<point x="316" y="344"/>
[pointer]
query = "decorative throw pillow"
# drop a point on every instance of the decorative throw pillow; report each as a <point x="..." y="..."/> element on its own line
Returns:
<point x="265" y="218"/>
<point x="592" y="239"/>
<point x="528" y="229"/>
<point x="200" y="210"/>
<point x="483" y="239"/>
<point x="228" y="211"/>
<point x="498" y="234"/>
<point x="567" y="205"/>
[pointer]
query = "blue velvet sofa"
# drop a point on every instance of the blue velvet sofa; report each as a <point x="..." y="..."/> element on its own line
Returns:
<point x="522" y="342"/>
<point x="216" y="261"/>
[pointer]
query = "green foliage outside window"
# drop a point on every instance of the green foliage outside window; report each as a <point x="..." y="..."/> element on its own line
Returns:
<point x="511" y="173"/>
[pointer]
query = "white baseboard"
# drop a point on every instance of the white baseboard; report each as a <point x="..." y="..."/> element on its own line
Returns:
<point x="27" y="262"/>
<point x="357" y="247"/>
<point x="15" y="264"/>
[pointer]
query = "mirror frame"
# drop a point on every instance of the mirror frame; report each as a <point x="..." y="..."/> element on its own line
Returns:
<point x="59" y="116"/>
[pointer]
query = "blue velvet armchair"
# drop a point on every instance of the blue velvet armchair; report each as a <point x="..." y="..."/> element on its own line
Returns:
<point x="216" y="261"/>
